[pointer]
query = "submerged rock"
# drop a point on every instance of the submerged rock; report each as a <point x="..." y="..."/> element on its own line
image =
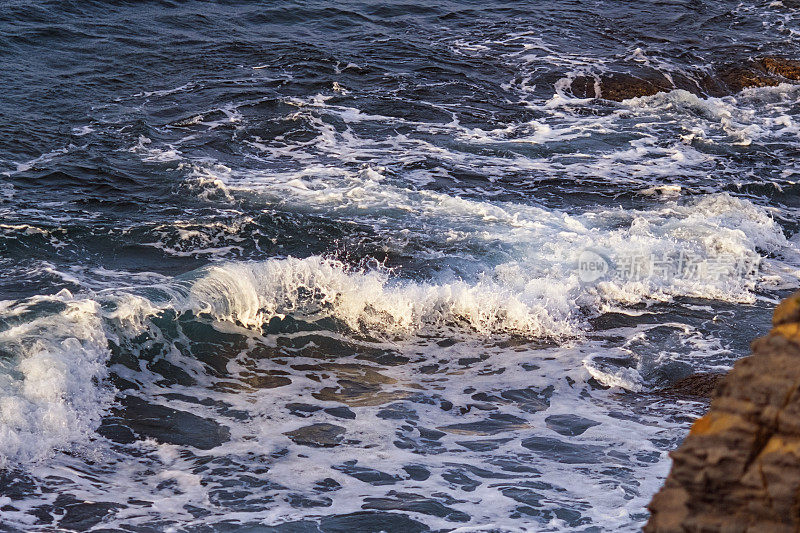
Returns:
<point x="739" y="468"/>
<point x="138" y="419"/>
<point x="366" y="474"/>
<point x="366" y="521"/>
<point x="569" y="425"/>
<point x="371" y="521"/>
<point x="567" y="452"/>
<point x="317" y="435"/>
<point x="410" y="502"/>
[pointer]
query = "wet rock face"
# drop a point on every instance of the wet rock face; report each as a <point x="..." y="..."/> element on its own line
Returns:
<point x="725" y="80"/>
<point x="620" y="86"/>
<point x="782" y="67"/>
<point x="734" y="78"/>
<point x="317" y="435"/>
<point x="694" y="387"/>
<point x="739" y="468"/>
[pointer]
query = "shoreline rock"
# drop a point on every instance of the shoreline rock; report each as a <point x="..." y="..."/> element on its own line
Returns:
<point x="726" y="80"/>
<point x="700" y="386"/>
<point x="739" y="467"/>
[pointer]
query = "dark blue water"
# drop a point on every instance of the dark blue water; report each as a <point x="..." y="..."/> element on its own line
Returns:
<point x="302" y="266"/>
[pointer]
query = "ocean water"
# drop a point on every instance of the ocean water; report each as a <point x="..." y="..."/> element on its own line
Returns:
<point x="357" y="266"/>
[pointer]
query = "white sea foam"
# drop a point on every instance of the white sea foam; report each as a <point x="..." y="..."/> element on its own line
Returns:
<point x="51" y="393"/>
<point x="152" y="154"/>
<point x="507" y="268"/>
<point x="346" y="137"/>
<point x="500" y="267"/>
<point x="253" y="293"/>
<point x="51" y="397"/>
<point x="532" y="288"/>
<point x="525" y="244"/>
<point x="751" y="116"/>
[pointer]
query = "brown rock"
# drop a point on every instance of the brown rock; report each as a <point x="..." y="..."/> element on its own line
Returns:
<point x="787" y="68"/>
<point x="728" y="79"/>
<point x="750" y="74"/>
<point x="619" y="86"/>
<point x="700" y="385"/>
<point x="788" y="311"/>
<point x="764" y="72"/>
<point x="739" y="468"/>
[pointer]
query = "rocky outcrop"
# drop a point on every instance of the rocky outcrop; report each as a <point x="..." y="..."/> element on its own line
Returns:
<point x="620" y="86"/>
<point x="698" y="386"/>
<point x="739" y="468"/>
<point x="764" y="72"/>
<point x="782" y="67"/>
<point x="725" y="80"/>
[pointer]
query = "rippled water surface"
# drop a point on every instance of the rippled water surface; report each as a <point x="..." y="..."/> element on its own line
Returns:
<point x="310" y="266"/>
